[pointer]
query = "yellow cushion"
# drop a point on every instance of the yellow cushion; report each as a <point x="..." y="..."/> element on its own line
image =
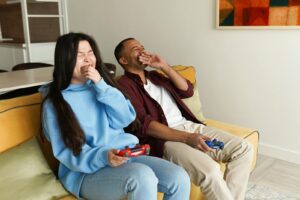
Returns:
<point x="194" y="102"/>
<point x="187" y="72"/>
<point x="25" y="174"/>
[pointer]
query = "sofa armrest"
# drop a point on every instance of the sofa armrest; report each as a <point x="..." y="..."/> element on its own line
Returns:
<point x="251" y="135"/>
<point x="234" y="129"/>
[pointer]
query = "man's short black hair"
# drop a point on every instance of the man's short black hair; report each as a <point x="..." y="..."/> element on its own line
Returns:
<point x="119" y="48"/>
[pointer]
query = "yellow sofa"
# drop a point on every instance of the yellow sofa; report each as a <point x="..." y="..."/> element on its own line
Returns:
<point x="20" y="138"/>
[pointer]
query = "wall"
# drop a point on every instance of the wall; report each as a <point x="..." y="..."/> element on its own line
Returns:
<point x="246" y="77"/>
<point x="13" y="54"/>
<point x="7" y="57"/>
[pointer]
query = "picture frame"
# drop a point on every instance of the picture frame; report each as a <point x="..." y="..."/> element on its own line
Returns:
<point x="258" y="14"/>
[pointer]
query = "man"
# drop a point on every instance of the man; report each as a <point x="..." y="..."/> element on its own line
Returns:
<point x="173" y="131"/>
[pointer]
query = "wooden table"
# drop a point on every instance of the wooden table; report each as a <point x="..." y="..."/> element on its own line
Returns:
<point x="25" y="78"/>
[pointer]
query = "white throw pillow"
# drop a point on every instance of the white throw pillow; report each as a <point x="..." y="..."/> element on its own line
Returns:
<point x="194" y="104"/>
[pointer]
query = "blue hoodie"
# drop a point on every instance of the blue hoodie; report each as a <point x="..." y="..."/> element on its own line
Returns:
<point x="102" y="112"/>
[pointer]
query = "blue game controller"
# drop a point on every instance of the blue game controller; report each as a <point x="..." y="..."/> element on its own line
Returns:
<point x="215" y="144"/>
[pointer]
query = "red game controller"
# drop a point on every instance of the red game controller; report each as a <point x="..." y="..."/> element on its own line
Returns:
<point x="139" y="149"/>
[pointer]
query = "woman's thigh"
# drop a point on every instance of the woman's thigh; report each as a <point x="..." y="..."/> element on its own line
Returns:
<point x="117" y="182"/>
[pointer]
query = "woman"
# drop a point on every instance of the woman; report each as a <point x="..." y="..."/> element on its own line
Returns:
<point x="83" y="117"/>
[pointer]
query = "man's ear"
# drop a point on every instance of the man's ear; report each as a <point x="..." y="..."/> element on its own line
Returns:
<point x="123" y="61"/>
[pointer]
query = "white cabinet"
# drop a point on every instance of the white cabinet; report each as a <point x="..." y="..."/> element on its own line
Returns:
<point x="13" y="54"/>
<point x="34" y="26"/>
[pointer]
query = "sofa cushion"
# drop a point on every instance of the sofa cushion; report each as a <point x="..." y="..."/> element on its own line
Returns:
<point x="188" y="72"/>
<point x="194" y="102"/>
<point x="25" y="174"/>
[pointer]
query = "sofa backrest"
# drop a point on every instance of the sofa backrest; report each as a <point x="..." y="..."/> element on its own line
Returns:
<point x="188" y="72"/>
<point x="20" y="121"/>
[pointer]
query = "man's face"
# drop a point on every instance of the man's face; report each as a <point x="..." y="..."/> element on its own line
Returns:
<point x="131" y="53"/>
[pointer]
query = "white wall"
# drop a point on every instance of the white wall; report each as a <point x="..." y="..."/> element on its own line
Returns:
<point x="246" y="77"/>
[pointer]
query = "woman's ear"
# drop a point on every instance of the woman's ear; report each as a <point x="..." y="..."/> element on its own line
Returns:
<point x="123" y="61"/>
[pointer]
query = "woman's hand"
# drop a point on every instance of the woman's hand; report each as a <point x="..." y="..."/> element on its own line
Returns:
<point x="90" y="73"/>
<point x="115" y="160"/>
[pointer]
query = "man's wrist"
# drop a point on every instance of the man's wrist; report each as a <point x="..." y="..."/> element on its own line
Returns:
<point x="184" y="138"/>
<point x="164" y="67"/>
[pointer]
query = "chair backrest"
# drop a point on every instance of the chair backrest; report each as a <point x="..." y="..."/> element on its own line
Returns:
<point x="3" y="70"/>
<point x="30" y="65"/>
<point x="111" y="69"/>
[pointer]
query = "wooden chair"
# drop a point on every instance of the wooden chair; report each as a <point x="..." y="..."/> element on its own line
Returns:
<point x="3" y="70"/>
<point x="30" y="65"/>
<point x="111" y="69"/>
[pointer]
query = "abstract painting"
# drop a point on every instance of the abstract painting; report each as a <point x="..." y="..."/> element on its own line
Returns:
<point x="258" y="13"/>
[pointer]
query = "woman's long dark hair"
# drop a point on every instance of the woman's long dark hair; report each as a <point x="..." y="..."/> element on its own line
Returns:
<point x="65" y="60"/>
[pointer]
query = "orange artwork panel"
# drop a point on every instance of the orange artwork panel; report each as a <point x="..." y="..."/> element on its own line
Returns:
<point x="293" y="15"/>
<point x="258" y="13"/>
<point x="278" y="16"/>
<point x="256" y="16"/>
<point x="259" y="3"/>
<point x="241" y="3"/>
<point x="294" y="3"/>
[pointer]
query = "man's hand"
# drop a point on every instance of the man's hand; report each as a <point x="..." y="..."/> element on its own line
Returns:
<point x="197" y="141"/>
<point x="115" y="160"/>
<point x="90" y="73"/>
<point x="152" y="60"/>
<point x="155" y="61"/>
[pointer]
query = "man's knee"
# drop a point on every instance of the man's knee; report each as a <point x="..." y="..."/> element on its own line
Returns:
<point x="205" y="173"/>
<point x="247" y="149"/>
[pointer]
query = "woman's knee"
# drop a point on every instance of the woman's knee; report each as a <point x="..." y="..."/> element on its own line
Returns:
<point x="182" y="180"/>
<point x="141" y="175"/>
<point x="175" y="183"/>
<point x="180" y="176"/>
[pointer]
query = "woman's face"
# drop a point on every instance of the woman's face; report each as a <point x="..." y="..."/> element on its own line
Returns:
<point x="85" y="58"/>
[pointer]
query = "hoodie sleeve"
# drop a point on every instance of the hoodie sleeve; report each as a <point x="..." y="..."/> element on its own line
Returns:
<point x="120" y="111"/>
<point x="89" y="160"/>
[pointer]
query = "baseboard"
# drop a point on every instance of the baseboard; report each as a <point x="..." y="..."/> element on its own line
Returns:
<point x="279" y="153"/>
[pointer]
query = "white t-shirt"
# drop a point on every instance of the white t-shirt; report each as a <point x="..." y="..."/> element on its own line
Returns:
<point x="162" y="96"/>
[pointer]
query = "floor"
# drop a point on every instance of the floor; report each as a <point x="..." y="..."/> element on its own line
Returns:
<point x="278" y="174"/>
